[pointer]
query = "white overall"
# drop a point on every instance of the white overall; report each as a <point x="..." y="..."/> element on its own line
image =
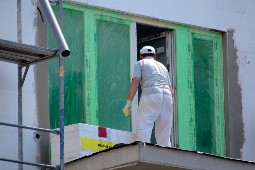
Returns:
<point x="155" y="107"/>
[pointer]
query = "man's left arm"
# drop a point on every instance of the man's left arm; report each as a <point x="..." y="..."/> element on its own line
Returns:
<point x="133" y="88"/>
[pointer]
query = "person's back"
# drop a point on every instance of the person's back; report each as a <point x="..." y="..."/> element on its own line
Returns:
<point x="154" y="77"/>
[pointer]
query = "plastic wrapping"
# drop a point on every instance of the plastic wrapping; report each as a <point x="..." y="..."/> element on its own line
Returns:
<point x="113" y="73"/>
<point x="74" y="103"/>
<point x="204" y="84"/>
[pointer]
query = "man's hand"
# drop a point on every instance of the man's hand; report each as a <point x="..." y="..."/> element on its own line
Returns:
<point x="127" y="108"/>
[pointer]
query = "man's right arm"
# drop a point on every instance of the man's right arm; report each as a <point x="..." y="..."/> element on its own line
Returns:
<point x="133" y="88"/>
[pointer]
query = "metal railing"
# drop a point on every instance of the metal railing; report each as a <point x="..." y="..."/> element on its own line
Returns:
<point x="29" y="163"/>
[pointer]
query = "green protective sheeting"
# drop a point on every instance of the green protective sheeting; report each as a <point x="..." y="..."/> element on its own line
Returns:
<point x="74" y="76"/>
<point x="208" y="94"/>
<point x="184" y="86"/>
<point x="113" y="70"/>
<point x="204" y="80"/>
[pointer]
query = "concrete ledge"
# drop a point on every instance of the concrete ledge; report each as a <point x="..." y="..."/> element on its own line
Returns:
<point x="139" y="156"/>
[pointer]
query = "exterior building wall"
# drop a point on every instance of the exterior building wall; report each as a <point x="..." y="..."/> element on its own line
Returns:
<point x="235" y="18"/>
<point x="35" y="82"/>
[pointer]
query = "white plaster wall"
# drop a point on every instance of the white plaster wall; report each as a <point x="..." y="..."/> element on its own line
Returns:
<point x="9" y="88"/>
<point x="214" y="14"/>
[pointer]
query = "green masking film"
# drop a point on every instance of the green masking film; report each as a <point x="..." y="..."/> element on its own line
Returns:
<point x="207" y="94"/>
<point x="199" y="90"/>
<point x="74" y="103"/>
<point x="90" y="86"/>
<point x="113" y="73"/>
<point x="186" y="136"/>
<point x="204" y="78"/>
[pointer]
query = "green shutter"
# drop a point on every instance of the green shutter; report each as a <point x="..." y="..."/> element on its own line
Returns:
<point x="73" y="72"/>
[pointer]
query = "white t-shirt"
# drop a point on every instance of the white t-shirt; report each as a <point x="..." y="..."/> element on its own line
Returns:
<point x="153" y="74"/>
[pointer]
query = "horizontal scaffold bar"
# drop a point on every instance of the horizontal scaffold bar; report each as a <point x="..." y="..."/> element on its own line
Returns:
<point x="28" y="163"/>
<point x="31" y="128"/>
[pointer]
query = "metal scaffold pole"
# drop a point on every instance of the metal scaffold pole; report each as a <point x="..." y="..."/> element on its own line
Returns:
<point x="61" y="92"/>
<point x="20" y="131"/>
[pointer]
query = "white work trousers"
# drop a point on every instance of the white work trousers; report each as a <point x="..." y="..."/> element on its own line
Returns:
<point x="155" y="108"/>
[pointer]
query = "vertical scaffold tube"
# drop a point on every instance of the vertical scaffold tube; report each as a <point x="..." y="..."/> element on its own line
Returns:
<point x="61" y="92"/>
<point x="20" y="130"/>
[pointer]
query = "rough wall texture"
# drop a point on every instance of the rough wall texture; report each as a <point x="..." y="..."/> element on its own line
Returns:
<point x="41" y="88"/>
<point x="19" y="30"/>
<point x="235" y="117"/>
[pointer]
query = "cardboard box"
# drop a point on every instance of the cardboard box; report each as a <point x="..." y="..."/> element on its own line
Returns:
<point x="83" y="140"/>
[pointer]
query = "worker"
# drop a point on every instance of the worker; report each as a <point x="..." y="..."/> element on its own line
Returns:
<point x="156" y="99"/>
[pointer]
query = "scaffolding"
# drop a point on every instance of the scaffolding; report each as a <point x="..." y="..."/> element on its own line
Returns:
<point x="25" y="55"/>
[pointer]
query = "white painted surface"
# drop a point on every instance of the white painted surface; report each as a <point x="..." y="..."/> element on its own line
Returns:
<point x="9" y="87"/>
<point x="74" y="134"/>
<point x="133" y="60"/>
<point x="217" y="14"/>
<point x="8" y="19"/>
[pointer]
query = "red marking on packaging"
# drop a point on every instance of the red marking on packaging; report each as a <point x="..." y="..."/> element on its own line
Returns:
<point x="102" y="132"/>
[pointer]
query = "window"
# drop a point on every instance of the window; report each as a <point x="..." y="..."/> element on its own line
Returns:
<point x="104" y="45"/>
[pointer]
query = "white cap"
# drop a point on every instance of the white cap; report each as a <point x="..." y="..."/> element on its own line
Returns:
<point x="147" y="50"/>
